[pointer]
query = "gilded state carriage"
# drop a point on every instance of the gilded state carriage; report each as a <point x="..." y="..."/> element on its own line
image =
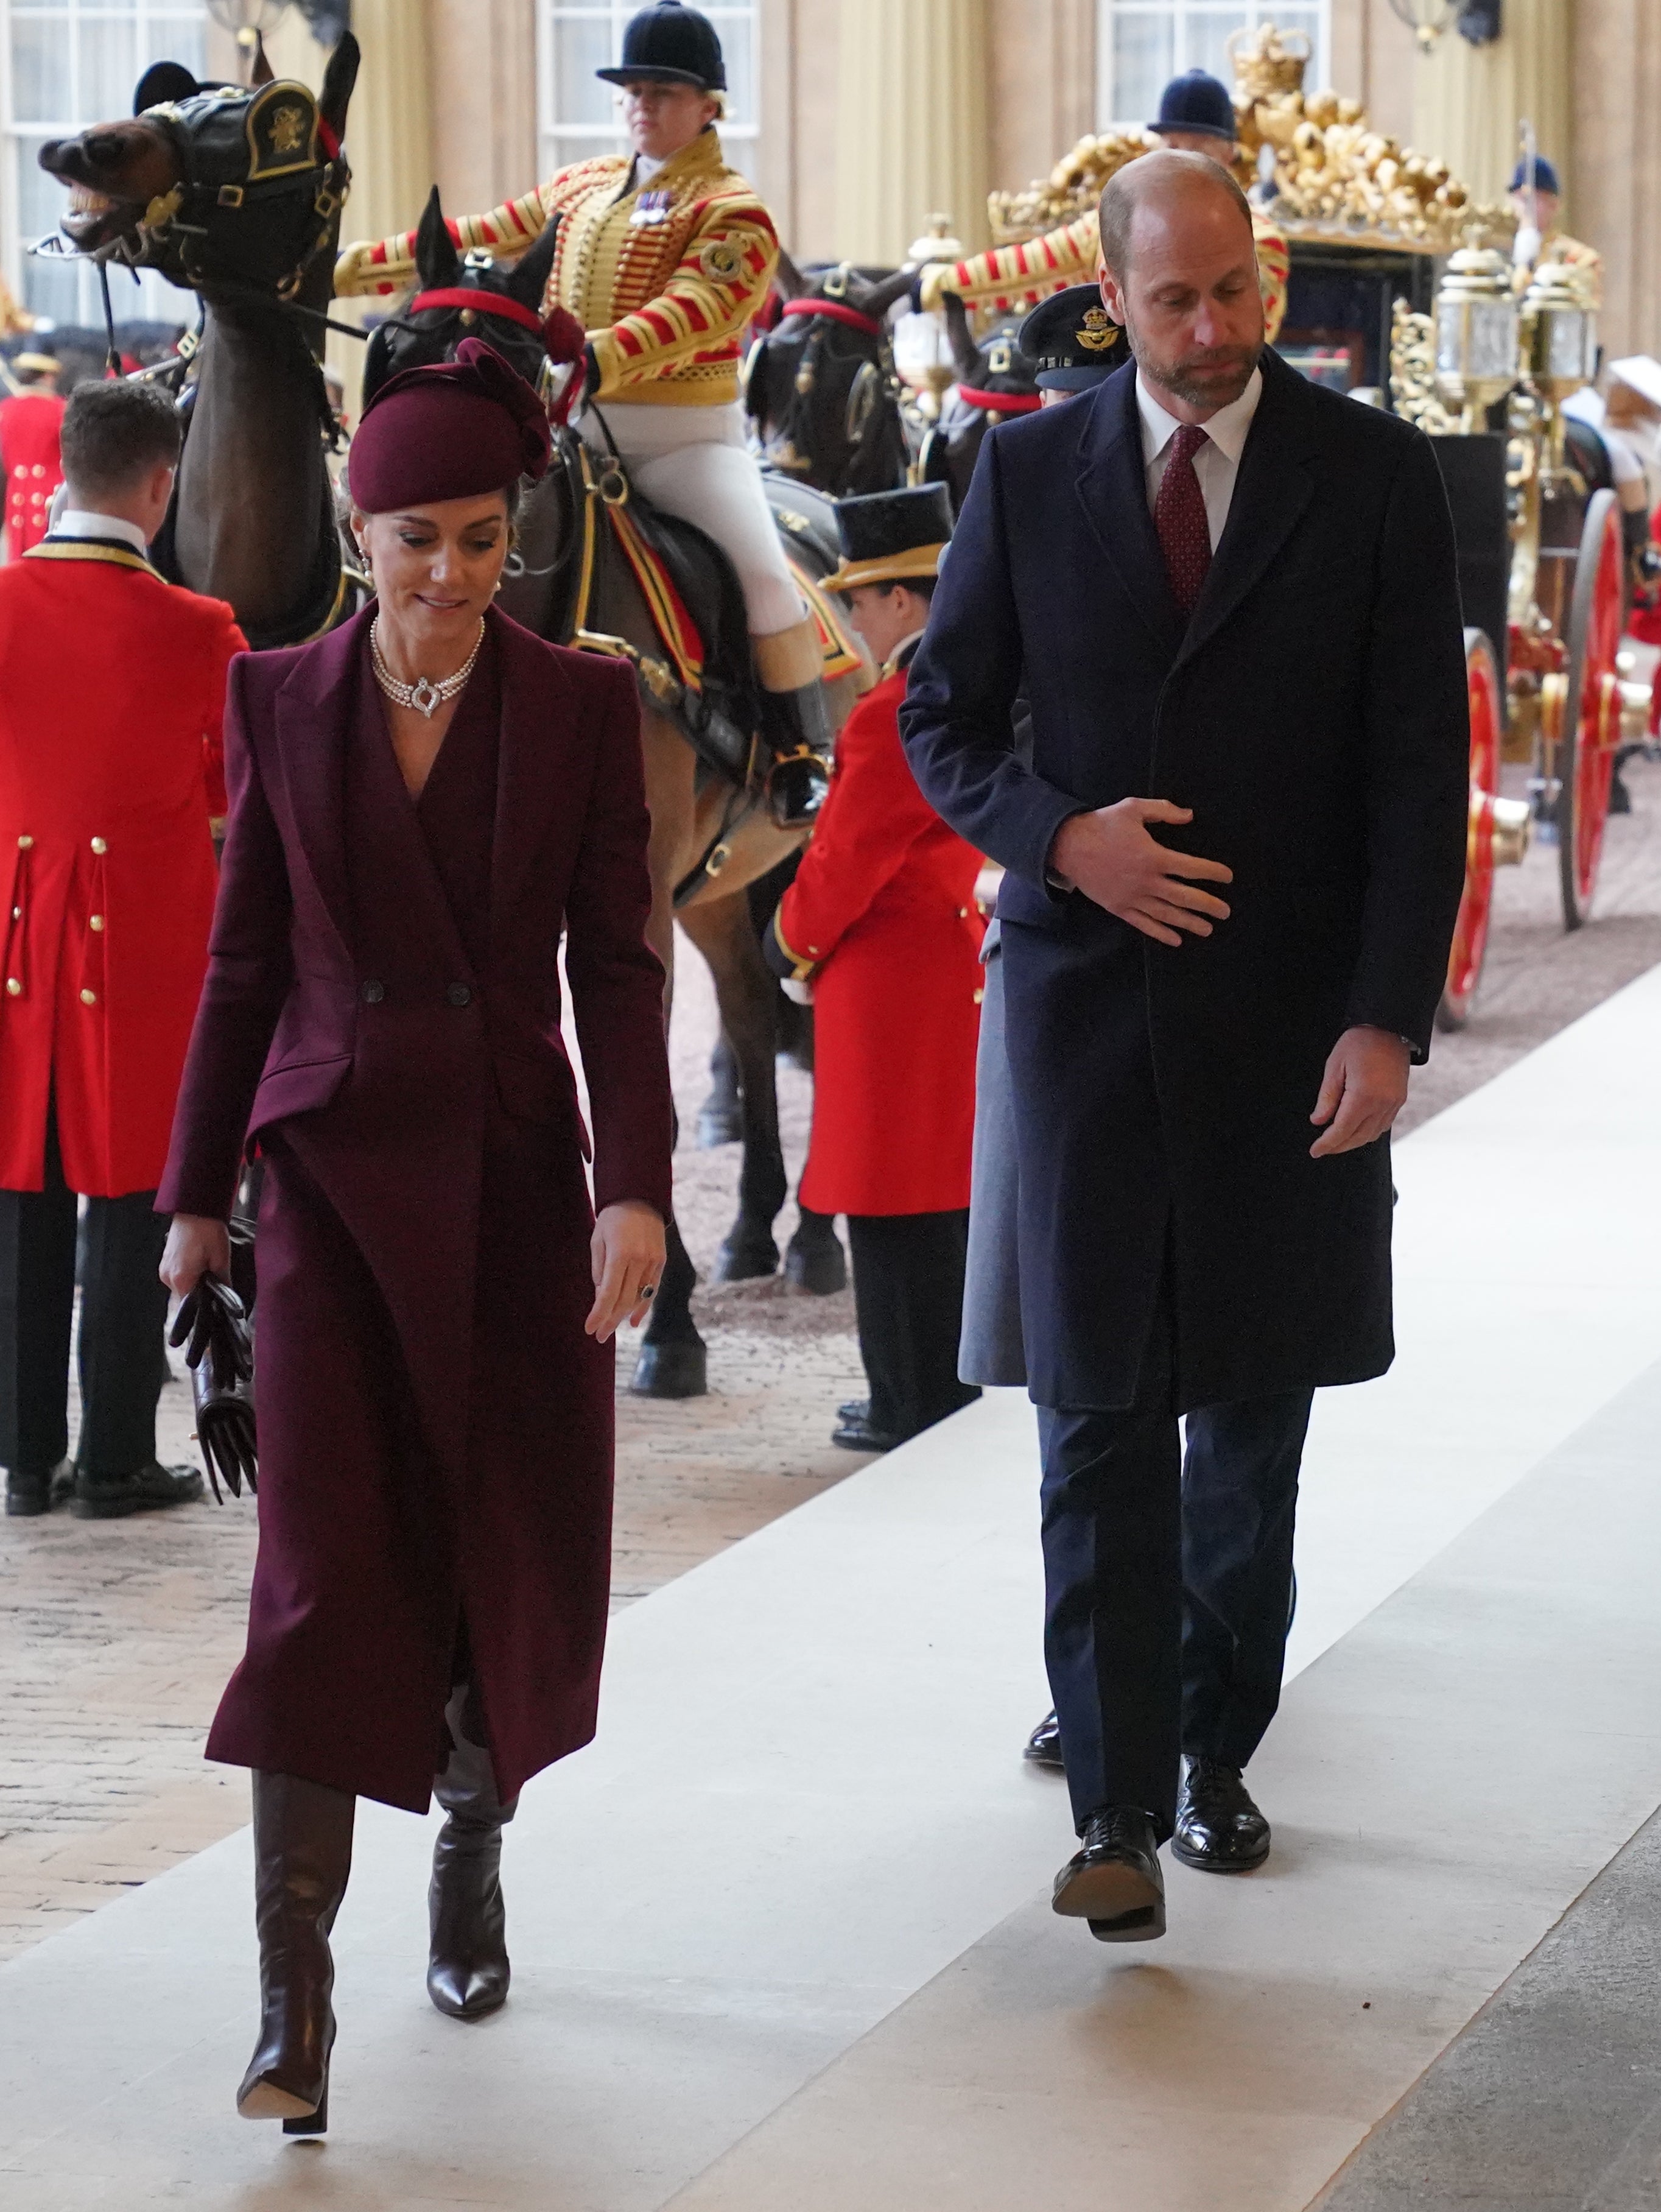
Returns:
<point x="1404" y="293"/>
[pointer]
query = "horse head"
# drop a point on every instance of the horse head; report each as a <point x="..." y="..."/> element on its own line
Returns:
<point x="821" y="385"/>
<point x="995" y="379"/>
<point x="460" y="296"/>
<point x="216" y="185"/>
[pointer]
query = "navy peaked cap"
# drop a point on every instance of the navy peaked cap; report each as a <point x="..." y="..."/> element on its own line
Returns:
<point x="1071" y="340"/>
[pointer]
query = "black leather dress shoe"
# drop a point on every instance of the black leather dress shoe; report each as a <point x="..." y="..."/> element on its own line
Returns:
<point x="1044" y="1744"/>
<point x="860" y="1435"/>
<point x="30" y="1490"/>
<point x="109" y="1498"/>
<point x="1113" y="1880"/>
<point x="1219" y="1829"/>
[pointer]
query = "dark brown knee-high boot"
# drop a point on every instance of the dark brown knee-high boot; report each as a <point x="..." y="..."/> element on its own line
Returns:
<point x="302" y="1856"/>
<point x="467" y="1974"/>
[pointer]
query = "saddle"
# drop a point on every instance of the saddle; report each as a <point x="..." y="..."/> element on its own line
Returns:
<point x="705" y="679"/>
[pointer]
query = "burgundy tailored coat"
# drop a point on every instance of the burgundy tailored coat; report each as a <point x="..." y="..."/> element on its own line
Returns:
<point x="381" y="1015"/>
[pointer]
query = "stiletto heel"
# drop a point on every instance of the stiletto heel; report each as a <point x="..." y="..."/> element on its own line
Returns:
<point x="314" y="2124"/>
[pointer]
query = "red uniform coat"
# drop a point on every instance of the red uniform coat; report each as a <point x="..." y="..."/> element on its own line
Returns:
<point x="883" y="909"/>
<point x="112" y="691"/>
<point x="382" y="1010"/>
<point x="33" y="467"/>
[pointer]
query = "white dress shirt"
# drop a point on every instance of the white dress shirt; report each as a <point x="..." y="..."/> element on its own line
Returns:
<point x="1216" y="463"/>
<point x="81" y="522"/>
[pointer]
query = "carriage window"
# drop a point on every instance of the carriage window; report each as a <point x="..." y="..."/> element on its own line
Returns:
<point x="1142" y="44"/>
<point x="577" y="111"/>
<point x="65" y="64"/>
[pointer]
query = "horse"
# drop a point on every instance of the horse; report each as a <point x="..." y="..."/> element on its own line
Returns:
<point x="236" y="194"/>
<point x="820" y="386"/>
<point x="713" y="834"/>
<point x="995" y="379"/>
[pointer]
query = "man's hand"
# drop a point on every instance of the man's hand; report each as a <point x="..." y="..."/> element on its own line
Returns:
<point x="1110" y="857"/>
<point x="627" y="1257"/>
<point x="197" y="1246"/>
<point x="1363" y="1091"/>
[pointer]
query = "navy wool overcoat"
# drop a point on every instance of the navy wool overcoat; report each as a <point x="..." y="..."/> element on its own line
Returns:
<point x="1312" y="715"/>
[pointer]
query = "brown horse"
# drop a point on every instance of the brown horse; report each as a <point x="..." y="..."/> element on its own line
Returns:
<point x="713" y="834"/>
<point x="236" y="194"/>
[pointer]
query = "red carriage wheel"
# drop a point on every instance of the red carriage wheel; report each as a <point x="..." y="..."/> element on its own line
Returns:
<point x="1591" y="719"/>
<point x="1465" y="960"/>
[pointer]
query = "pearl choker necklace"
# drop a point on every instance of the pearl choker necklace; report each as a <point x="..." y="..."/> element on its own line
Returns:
<point x="423" y="695"/>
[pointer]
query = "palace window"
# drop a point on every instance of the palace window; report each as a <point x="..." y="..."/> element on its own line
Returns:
<point x="1142" y="44"/>
<point x="65" y="64"/>
<point x="578" y="112"/>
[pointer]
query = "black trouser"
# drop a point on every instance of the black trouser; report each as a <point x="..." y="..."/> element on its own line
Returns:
<point x="908" y="1296"/>
<point x="124" y="1313"/>
<point x="1168" y="1582"/>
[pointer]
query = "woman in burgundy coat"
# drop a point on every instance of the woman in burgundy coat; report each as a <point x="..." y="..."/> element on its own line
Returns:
<point x="420" y="802"/>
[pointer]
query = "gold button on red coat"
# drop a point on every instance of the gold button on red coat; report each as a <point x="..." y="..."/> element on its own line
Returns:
<point x="89" y="998"/>
<point x="14" y="987"/>
<point x="95" y="921"/>
<point x="25" y="844"/>
<point x="99" y="846"/>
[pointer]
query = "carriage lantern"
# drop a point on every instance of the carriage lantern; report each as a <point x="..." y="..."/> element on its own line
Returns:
<point x="1478" y="354"/>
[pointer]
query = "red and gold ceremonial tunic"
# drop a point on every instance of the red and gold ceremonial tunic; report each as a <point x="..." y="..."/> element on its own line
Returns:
<point x="882" y="915"/>
<point x="663" y="277"/>
<point x="1011" y="278"/>
<point x="111" y="691"/>
<point x="33" y="469"/>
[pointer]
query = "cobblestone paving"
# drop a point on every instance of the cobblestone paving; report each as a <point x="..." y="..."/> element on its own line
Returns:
<point x="115" y="1637"/>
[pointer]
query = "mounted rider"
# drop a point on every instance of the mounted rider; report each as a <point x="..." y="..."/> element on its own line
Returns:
<point x="665" y="256"/>
<point x="1196" y="116"/>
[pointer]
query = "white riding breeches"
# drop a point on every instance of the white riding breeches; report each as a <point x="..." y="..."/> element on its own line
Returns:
<point x="694" y="461"/>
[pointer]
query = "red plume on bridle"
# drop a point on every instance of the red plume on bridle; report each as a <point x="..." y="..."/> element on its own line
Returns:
<point x="565" y="343"/>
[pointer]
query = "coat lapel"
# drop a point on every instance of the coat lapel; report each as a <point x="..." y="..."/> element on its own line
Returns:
<point x="313" y="713"/>
<point x="1113" y="489"/>
<point x="1272" y="491"/>
<point x="536" y="708"/>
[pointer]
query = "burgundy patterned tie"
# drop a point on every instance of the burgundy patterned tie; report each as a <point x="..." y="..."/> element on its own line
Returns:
<point x="1184" y="535"/>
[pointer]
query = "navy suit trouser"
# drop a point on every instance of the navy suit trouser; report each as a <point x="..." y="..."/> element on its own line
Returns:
<point x="1168" y="1583"/>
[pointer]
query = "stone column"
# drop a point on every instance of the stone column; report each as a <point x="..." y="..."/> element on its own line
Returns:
<point x="912" y="131"/>
<point x="1617" y="94"/>
<point x="1468" y="101"/>
<point x="484" y="101"/>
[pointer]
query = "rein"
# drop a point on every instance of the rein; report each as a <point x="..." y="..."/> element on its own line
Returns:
<point x="1001" y="403"/>
<point x="839" y="311"/>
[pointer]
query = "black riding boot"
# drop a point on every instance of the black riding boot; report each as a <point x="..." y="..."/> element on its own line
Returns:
<point x="302" y="1856"/>
<point x="467" y="1974"/>
<point x="795" y="723"/>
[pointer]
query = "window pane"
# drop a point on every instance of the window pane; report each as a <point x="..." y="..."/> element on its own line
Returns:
<point x="109" y="71"/>
<point x="1205" y="41"/>
<point x="582" y="44"/>
<point x="1142" y="62"/>
<point x="41" y="200"/>
<point x="737" y="36"/>
<point x="171" y="37"/>
<point x="40" y="90"/>
<point x="560" y="153"/>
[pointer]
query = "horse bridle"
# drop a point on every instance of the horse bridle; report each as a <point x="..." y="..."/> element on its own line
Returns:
<point x="216" y="198"/>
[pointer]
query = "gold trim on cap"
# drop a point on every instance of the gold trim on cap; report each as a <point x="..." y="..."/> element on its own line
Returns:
<point x="886" y="569"/>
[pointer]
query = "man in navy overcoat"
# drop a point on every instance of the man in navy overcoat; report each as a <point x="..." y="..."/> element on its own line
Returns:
<point x="1233" y="867"/>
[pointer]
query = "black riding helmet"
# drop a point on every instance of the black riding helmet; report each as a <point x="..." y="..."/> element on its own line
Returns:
<point x="671" y="45"/>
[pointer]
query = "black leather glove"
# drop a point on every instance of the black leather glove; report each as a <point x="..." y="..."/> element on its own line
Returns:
<point x="213" y="1326"/>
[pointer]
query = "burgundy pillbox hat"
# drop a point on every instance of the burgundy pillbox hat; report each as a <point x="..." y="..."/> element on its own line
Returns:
<point x="455" y="430"/>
